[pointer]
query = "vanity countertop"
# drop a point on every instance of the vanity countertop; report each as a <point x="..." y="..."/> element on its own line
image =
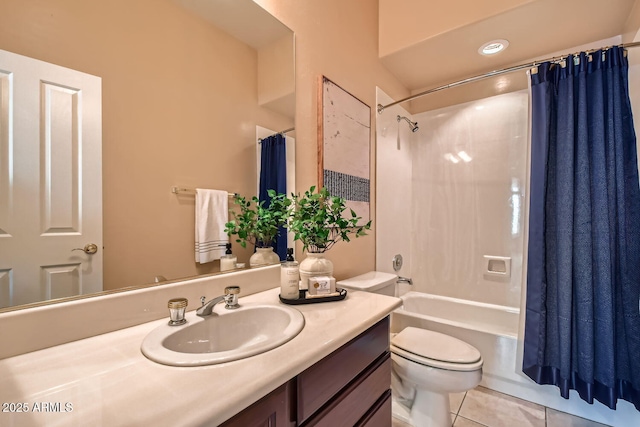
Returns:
<point x="106" y="381"/>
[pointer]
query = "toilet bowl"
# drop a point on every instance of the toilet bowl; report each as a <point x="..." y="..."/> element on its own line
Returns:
<point x="426" y="365"/>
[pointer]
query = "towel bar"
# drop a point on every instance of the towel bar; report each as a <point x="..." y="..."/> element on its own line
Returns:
<point x="191" y="191"/>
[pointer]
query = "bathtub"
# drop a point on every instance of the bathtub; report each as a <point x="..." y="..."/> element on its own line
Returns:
<point x="493" y="330"/>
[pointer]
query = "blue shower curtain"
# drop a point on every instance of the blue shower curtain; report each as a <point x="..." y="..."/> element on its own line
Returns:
<point x="582" y="329"/>
<point x="273" y="176"/>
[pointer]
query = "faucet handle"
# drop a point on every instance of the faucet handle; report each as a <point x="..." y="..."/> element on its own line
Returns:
<point x="233" y="290"/>
<point x="231" y="297"/>
<point x="177" y="307"/>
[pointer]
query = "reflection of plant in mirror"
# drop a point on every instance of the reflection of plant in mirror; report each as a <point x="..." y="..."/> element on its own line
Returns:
<point x="256" y="223"/>
<point x="317" y="220"/>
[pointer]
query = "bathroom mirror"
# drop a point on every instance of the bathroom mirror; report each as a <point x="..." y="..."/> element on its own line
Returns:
<point x="185" y="84"/>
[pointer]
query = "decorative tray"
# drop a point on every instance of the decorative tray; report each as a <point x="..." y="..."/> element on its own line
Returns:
<point x="303" y="300"/>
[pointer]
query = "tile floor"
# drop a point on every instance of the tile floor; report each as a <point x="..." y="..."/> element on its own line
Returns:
<point x="482" y="407"/>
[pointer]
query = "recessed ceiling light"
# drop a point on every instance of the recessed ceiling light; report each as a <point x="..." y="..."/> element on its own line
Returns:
<point x="493" y="47"/>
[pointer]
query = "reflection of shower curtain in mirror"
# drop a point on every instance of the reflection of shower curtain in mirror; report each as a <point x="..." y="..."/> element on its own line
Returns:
<point x="273" y="176"/>
<point x="583" y="283"/>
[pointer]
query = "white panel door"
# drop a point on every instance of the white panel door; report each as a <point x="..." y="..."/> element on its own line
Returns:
<point x="50" y="181"/>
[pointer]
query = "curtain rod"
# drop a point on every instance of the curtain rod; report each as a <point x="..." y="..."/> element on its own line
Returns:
<point x="282" y="132"/>
<point x="381" y="107"/>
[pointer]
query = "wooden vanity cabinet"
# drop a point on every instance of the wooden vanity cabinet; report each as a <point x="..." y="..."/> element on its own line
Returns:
<point x="275" y="409"/>
<point x="350" y="387"/>
<point x="343" y="386"/>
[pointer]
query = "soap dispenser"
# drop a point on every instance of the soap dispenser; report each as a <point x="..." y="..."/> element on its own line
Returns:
<point x="228" y="260"/>
<point x="289" y="277"/>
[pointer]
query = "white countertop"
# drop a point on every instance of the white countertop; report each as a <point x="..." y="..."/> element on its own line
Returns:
<point x="106" y="381"/>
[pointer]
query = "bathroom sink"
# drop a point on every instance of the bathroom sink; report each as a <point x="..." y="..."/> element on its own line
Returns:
<point x="224" y="336"/>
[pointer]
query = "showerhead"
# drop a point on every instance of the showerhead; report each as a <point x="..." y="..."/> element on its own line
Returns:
<point x="413" y="125"/>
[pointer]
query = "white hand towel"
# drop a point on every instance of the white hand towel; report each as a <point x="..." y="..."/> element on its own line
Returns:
<point x="212" y="213"/>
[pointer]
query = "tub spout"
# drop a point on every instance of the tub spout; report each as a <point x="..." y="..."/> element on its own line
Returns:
<point x="407" y="280"/>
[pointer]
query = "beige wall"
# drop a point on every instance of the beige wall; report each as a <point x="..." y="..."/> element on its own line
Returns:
<point x="179" y="108"/>
<point x="276" y="79"/>
<point x="338" y="39"/>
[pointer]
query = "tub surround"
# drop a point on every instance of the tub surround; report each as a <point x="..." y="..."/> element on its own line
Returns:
<point x="109" y="382"/>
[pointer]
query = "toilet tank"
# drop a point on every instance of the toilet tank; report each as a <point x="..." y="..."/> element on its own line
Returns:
<point x="373" y="281"/>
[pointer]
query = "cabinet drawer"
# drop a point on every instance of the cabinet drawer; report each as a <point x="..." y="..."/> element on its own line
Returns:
<point x="356" y="401"/>
<point x="318" y="384"/>
<point x="380" y="415"/>
<point x="273" y="410"/>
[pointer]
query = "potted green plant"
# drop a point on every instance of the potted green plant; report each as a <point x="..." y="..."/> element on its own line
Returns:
<point x="318" y="220"/>
<point x="259" y="225"/>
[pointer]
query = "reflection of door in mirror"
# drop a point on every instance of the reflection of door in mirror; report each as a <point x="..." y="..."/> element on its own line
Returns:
<point x="50" y="181"/>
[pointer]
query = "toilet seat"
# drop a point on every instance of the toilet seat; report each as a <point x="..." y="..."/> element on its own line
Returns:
<point x="437" y="350"/>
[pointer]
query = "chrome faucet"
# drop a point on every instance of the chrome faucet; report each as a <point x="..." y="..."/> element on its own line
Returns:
<point x="405" y="280"/>
<point x="230" y="298"/>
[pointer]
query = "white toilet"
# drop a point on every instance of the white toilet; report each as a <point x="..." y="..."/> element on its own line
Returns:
<point x="427" y="365"/>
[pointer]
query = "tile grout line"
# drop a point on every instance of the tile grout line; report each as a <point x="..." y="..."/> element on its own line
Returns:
<point x="473" y="421"/>
<point x="459" y="408"/>
<point x="455" y="418"/>
<point x="461" y="403"/>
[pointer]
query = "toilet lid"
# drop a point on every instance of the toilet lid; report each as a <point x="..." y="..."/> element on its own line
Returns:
<point x="436" y="346"/>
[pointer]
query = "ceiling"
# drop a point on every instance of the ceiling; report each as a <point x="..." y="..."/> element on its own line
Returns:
<point x="429" y="44"/>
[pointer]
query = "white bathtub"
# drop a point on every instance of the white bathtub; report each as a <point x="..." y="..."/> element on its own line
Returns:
<point x="489" y="318"/>
<point x="493" y="330"/>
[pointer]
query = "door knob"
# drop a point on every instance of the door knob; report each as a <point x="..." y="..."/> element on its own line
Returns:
<point x="89" y="248"/>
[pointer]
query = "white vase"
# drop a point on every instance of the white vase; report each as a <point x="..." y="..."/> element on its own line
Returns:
<point x="264" y="256"/>
<point x="315" y="264"/>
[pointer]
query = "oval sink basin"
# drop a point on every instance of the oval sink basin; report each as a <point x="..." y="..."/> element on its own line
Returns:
<point x="224" y="336"/>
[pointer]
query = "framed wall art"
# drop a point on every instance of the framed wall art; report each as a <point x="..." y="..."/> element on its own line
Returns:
<point x="344" y="135"/>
